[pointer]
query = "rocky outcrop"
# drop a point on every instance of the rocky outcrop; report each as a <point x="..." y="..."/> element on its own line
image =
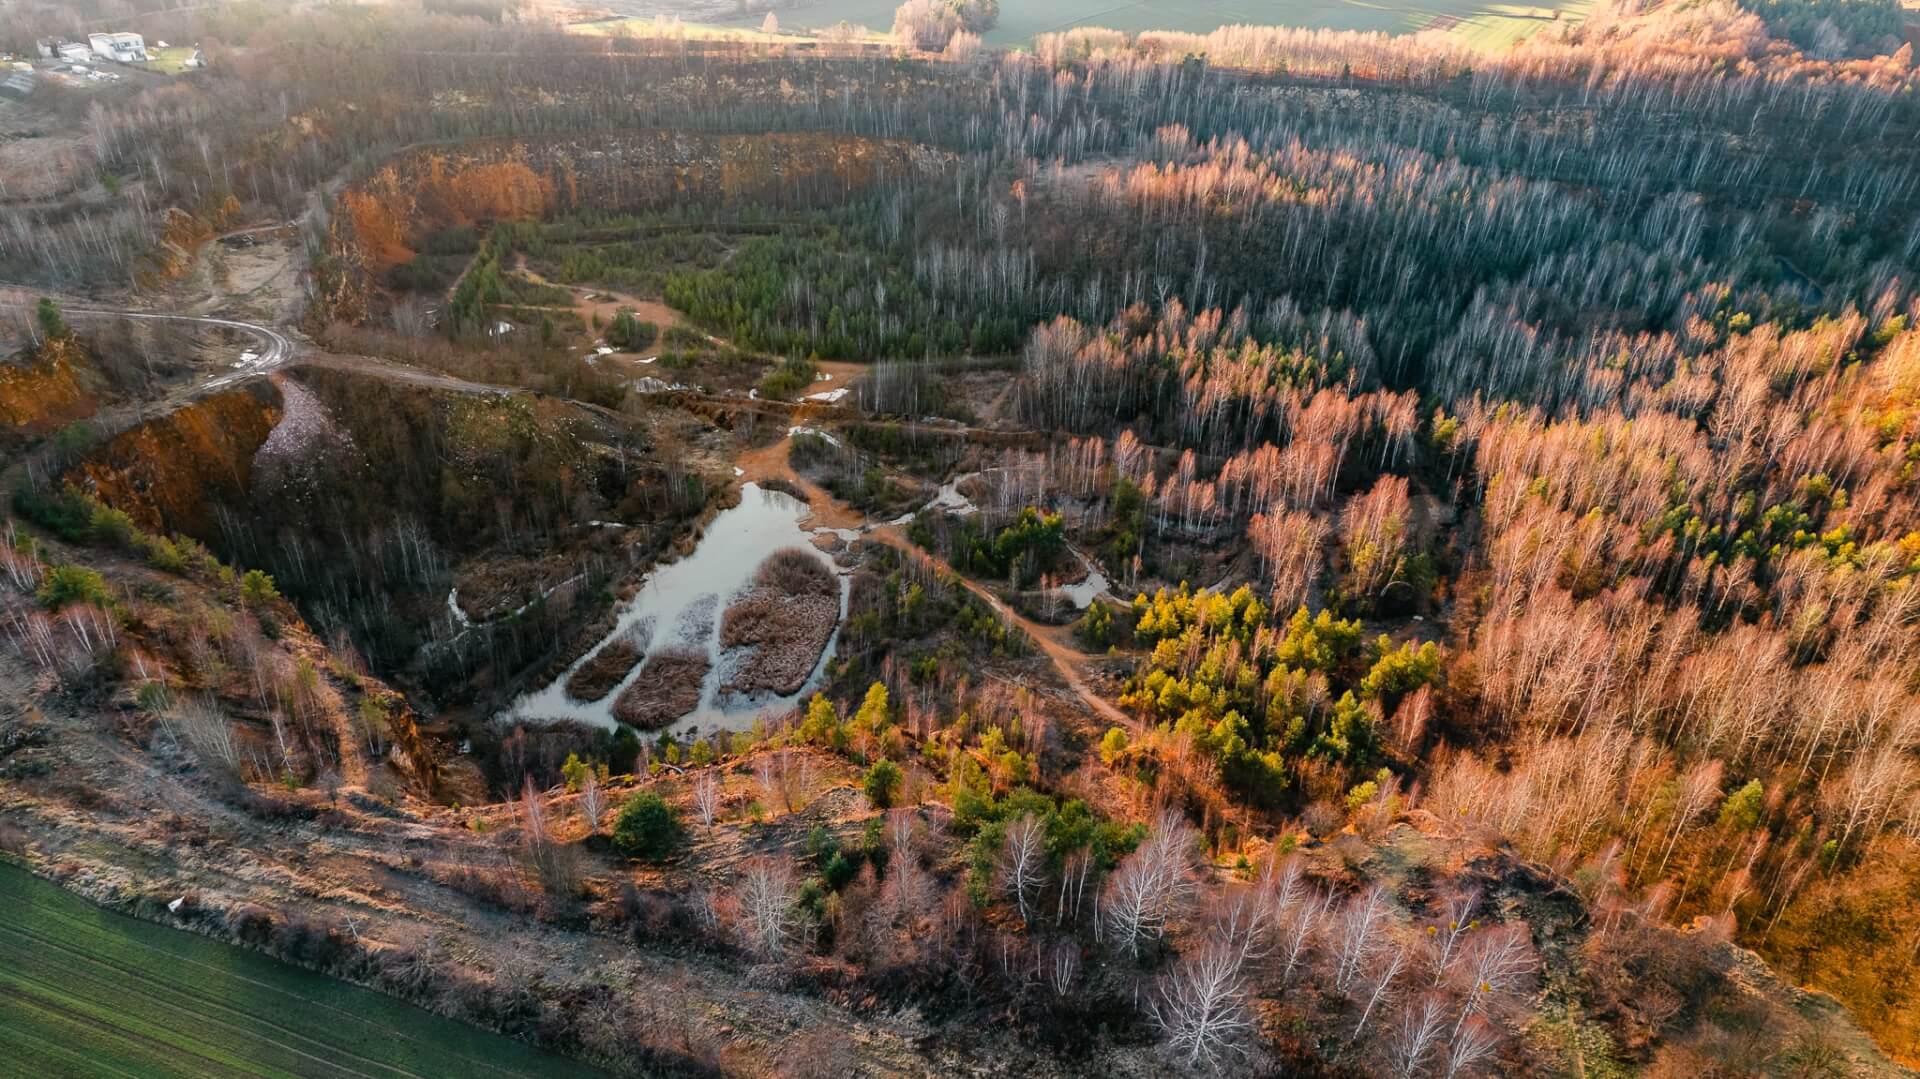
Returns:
<point x="45" y="390"/>
<point x="169" y="474"/>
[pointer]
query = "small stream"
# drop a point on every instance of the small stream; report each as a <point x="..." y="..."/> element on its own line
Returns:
<point x="682" y="603"/>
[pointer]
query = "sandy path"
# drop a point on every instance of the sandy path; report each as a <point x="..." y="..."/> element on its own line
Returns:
<point x="823" y="510"/>
<point x="588" y="308"/>
<point x="1068" y="661"/>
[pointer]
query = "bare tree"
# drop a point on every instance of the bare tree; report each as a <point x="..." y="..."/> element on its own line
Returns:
<point x="1472" y="1043"/>
<point x="1149" y="886"/>
<point x="900" y="829"/>
<point x="706" y="797"/>
<point x="1699" y="788"/>
<point x="554" y="863"/>
<point x="766" y="773"/>
<point x="1073" y="886"/>
<point x="1245" y="918"/>
<point x="905" y="892"/>
<point x="1359" y="936"/>
<point x="1063" y="966"/>
<point x="593" y="801"/>
<point x="206" y="729"/>
<point x="1418" y="1035"/>
<point x="784" y="775"/>
<point x="1022" y="864"/>
<point x="1452" y="927"/>
<point x="533" y="814"/>
<point x="1384" y="971"/>
<point x="769" y="921"/>
<point x="1201" y="1009"/>
<point x="1496" y="962"/>
<point x="1301" y="925"/>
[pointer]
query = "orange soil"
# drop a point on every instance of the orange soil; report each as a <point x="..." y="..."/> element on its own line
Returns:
<point x="158" y="473"/>
<point x="43" y="396"/>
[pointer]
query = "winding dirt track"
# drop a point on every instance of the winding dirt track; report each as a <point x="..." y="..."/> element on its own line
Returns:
<point x="770" y="462"/>
<point x="276" y="348"/>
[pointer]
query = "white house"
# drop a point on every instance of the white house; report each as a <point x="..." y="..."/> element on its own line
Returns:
<point x="73" y="52"/>
<point x="126" y="48"/>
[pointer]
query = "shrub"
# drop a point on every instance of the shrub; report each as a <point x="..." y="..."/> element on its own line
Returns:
<point x="648" y="828"/>
<point x="1095" y="628"/>
<point x="52" y="324"/>
<point x="112" y="526"/>
<point x="1400" y="671"/>
<point x="630" y="333"/>
<point x="788" y="379"/>
<point x="72" y="584"/>
<point x="257" y="590"/>
<point x="153" y="698"/>
<point x="163" y="554"/>
<point x="883" y="783"/>
<point x="575" y="772"/>
<point x="67" y="513"/>
<point x="624" y="754"/>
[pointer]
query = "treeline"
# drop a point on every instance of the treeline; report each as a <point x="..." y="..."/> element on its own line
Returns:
<point x="1752" y="114"/>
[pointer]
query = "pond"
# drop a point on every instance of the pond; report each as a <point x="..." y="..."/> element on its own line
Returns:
<point x="1091" y="587"/>
<point x="679" y="607"/>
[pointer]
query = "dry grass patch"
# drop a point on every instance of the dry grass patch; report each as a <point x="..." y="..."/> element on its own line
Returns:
<point x="607" y="669"/>
<point x="783" y="623"/>
<point x="610" y="666"/>
<point x="668" y="688"/>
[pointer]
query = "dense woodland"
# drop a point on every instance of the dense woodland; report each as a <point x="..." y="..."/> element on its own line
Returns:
<point x="1549" y="421"/>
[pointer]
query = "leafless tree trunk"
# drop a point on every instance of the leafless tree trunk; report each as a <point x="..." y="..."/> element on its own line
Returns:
<point x="1496" y="962"/>
<point x="1202" y="1008"/>
<point x="1148" y="887"/>
<point x="1022" y="866"/>
<point x="1471" y="1044"/>
<point x="593" y="801"/>
<point x="1418" y="1035"/>
<point x="1359" y="936"/>
<point x="769" y="922"/>
<point x="706" y="797"/>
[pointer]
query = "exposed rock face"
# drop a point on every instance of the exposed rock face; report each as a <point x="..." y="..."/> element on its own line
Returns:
<point x="168" y="474"/>
<point x="301" y="448"/>
<point x="44" y="391"/>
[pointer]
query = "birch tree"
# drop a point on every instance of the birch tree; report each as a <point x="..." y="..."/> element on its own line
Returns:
<point x="1201" y="1008"/>
<point x="1022" y="863"/>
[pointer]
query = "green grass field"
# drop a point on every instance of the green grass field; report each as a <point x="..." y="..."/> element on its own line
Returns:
<point x="87" y="992"/>
<point x="171" y="60"/>
<point x="1482" y="22"/>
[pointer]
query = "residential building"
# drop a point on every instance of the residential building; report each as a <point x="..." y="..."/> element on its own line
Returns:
<point x="126" y="48"/>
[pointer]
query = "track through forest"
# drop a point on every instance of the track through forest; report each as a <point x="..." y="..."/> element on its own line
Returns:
<point x="829" y="512"/>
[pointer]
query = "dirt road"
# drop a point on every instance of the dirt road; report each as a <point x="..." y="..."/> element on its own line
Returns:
<point x="770" y="462"/>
